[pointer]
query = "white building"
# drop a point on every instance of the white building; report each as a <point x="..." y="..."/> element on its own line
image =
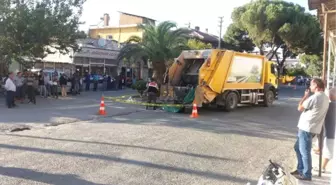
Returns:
<point x="98" y="56"/>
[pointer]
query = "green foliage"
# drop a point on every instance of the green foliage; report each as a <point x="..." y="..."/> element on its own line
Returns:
<point x="140" y="86"/>
<point x="296" y="71"/>
<point x="34" y="28"/>
<point x="159" y="44"/>
<point x="133" y="39"/>
<point x="238" y="38"/>
<point x="280" y="24"/>
<point x="197" y="45"/>
<point x="313" y="64"/>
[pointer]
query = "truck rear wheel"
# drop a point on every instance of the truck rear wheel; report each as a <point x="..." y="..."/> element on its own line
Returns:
<point x="231" y="101"/>
<point x="269" y="98"/>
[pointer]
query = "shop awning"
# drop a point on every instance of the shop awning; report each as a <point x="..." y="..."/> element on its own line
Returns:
<point x="326" y="12"/>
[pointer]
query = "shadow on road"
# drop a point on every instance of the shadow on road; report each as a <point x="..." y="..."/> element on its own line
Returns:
<point x="127" y="146"/>
<point x="207" y="174"/>
<point x="271" y="123"/>
<point x="55" y="179"/>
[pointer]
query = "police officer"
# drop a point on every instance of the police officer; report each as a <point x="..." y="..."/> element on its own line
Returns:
<point x="152" y="90"/>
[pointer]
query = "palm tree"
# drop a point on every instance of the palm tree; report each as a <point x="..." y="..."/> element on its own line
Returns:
<point x="159" y="45"/>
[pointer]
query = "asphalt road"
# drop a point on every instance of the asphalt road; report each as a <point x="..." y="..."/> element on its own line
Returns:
<point x="137" y="146"/>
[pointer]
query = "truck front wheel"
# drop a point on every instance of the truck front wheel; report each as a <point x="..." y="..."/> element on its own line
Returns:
<point x="231" y="101"/>
<point x="269" y="98"/>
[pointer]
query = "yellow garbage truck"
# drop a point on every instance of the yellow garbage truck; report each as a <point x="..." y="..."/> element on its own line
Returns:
<point x="223" y="78"/>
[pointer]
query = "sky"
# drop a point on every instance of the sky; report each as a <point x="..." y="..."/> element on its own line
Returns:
<point x="204" y="14"/>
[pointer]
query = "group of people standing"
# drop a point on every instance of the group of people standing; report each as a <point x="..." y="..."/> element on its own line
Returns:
<point x="18" y="87"/>
<point x="108" y="82"/>
<point x="26" y="84"/>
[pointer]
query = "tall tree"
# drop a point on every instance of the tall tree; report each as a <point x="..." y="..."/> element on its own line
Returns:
<point x="160" y="44"/>
<point x="279" y="24"/>
<point x="238" y="38"/>
<point x="196" y="44"/>
<point x="313" y="64"/>
<point x="31" y="29"/>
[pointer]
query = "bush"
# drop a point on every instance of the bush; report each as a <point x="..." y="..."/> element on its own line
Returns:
<point x="140" y="86"/>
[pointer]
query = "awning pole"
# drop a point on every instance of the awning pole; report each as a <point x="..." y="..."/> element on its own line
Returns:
<point x="334" y="71"/>
<point x="325" y="47"/>
<point x="329" y="60"/>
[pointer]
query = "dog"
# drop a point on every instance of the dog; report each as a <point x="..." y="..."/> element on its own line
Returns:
<point x="275" y="174"/>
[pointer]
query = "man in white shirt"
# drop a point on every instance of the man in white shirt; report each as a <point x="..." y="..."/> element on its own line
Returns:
<point x="10" y="90"/>
<point x="314" y="109"/>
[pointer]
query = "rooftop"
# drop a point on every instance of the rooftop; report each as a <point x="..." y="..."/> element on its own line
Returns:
<point x="136" y="15"/>
<point x="203" y="36"/>
<point x="323" y="7"/>
<point x="111" y="27"/>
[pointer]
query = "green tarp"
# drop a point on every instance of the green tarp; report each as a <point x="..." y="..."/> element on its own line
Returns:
<point x="188" y="99"/>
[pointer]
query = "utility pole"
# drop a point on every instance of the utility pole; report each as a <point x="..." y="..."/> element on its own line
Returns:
<point x="220" y="31"/>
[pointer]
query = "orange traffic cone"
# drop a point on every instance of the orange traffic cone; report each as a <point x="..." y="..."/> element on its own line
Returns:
<point x="194" y="113"/>
<point x="102" y="107"/>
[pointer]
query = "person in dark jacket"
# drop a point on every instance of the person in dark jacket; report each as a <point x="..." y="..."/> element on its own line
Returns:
<point x="87" y="81"/>
<point x="75" y="83"/>
<point x="330" y="124"/>
<point x="30" y="88"/>
<point x="63" y="83"/>
<point x="152" y="90"/>
<point x="54" y="86"/>
<point x="109" y="82"/>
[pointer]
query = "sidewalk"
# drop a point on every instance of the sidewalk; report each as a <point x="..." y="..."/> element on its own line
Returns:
<point x="324" y="179"/>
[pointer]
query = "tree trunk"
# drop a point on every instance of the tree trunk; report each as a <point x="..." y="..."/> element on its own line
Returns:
<point x="282" y="62"/>
<point x="272" y="53"/>
<point x="159" y="69"/>
<point x="261" y="50"/>
<point x="285" y="53"/>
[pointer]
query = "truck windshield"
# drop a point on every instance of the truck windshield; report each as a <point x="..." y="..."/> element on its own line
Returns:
<point x="274" y="69"/>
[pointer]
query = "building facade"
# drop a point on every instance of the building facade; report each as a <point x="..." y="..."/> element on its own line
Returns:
<point x="95" y="56"/>
<point x="97" y="60"/>
<point x="127" y="27"/>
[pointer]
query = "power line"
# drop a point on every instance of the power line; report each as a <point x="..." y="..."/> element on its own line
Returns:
<point x="220" y="31"/>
